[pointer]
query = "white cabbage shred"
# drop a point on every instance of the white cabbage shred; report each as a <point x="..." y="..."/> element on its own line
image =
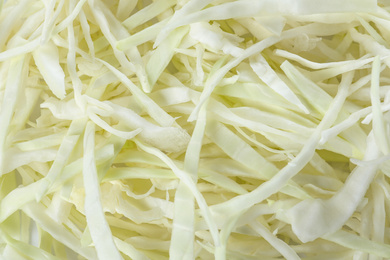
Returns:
<point x="195" y="129"/>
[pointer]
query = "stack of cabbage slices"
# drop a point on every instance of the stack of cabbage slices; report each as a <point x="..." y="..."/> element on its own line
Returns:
<point x="195" y="129"/>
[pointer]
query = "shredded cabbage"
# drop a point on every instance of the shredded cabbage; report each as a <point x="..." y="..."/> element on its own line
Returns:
<point x="194" y="129"/>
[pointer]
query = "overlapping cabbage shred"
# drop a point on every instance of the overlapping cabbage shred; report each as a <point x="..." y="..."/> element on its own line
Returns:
<point x="194" y="129"/>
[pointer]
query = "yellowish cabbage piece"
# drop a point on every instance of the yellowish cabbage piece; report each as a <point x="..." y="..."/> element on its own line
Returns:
<point x="194" y="129"/>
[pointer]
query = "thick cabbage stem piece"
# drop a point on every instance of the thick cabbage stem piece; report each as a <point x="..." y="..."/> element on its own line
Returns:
<point x="311" y="219"/>
<point x="169" y="139"/>
<point x="46" y="58"/>
<point x="9" y="102"/>
<point x="97" y="224"/>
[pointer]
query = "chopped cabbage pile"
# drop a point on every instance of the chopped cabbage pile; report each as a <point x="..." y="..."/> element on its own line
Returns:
<point x="195" y="129"/>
